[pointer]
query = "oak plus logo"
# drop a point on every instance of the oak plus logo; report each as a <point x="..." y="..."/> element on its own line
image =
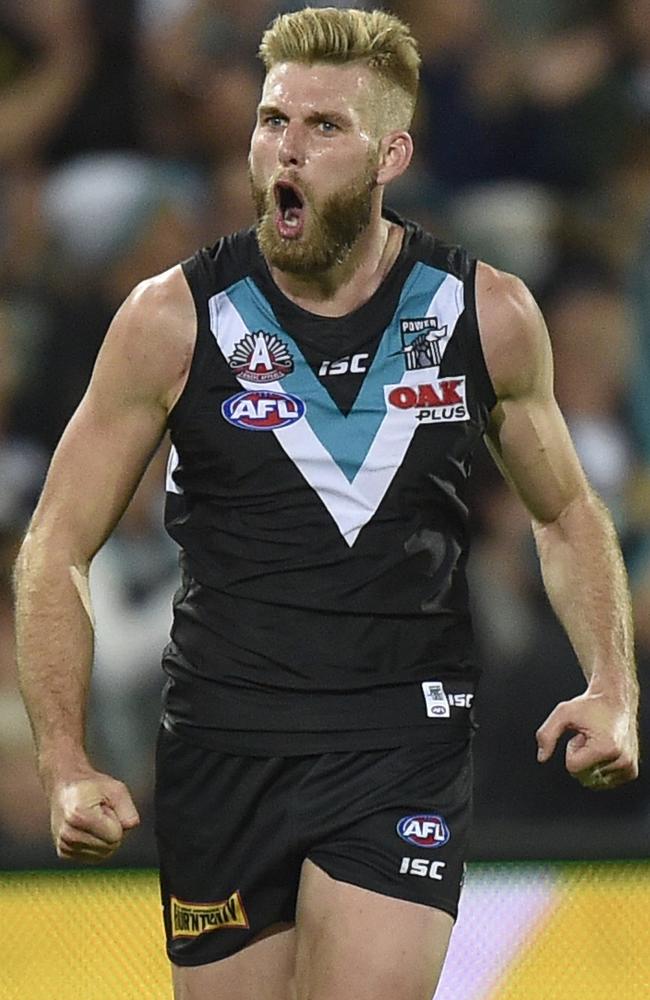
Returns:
<point x="442" y="400"/>
<point x="260" y="357"/>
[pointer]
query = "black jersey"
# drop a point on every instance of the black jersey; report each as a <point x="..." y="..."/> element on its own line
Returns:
<point x="317" y="489"/>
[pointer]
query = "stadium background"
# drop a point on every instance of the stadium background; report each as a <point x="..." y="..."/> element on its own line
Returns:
<point x="123" y="135"/>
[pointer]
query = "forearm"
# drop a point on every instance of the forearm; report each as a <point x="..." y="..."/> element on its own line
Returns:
<point x="586" y="582"/>
<point x="54" y="649"/>
<point x="34" y="106"/>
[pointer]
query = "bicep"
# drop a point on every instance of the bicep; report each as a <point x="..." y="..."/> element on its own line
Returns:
<point x="119" y="423"/>
<point x="527" y="434"/>
<point x="94" y="473"/>
<point x="530" y="442"/>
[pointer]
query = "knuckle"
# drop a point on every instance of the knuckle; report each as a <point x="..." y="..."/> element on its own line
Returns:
<point x="74" y="817"/>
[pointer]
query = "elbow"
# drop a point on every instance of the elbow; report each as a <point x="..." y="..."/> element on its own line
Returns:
<point x="581" y="510"/>
<point x="44" y="550"/>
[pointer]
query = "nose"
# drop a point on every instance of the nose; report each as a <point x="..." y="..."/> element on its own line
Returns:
<point x="292" y="152"/>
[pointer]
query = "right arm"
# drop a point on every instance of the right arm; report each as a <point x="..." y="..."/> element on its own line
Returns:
<point x="36" y="103"/>
<point x="139" y="374"/>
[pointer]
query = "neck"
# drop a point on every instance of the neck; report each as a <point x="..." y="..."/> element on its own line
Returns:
<point x="347" y="285"/>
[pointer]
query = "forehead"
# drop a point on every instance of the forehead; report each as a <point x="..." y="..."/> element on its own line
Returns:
<point x="305" y="88"/>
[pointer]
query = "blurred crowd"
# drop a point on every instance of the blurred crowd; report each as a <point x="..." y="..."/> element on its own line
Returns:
<point x="124" y="129"/>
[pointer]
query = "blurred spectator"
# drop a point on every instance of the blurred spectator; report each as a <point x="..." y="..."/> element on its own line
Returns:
<point x="634" y="24"/>
<point x="46" y="59"/>
<point x="22" y="462"/>
<point x="592" y="347"/>
<point x="133" y="579"/>
<point x="124" y="129"/>
<point x="639" y="411"/>
<point x="24" y="832"/>
<point x="113" y="219"/>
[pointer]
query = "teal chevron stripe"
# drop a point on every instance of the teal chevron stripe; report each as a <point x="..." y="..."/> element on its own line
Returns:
<point x="347" y="438"/>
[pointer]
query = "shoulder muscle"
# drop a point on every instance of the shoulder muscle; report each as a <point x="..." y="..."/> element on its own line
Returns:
<point x="147" y="351"/>
<point x="513" y="335"/>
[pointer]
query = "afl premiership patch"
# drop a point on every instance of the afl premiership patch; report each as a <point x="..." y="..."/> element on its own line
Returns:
<point x="260" y="357"/>
<point x="262" y="410"/>
<point x="191" y="919"/>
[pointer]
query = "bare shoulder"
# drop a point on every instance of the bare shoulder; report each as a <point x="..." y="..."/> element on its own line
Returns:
<point x="513" y="334"/>
<point x="148" y="348"/>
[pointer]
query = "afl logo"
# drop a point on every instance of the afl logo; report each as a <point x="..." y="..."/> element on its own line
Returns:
<point x="262" y="410"/>
<point x="423" y="831"/>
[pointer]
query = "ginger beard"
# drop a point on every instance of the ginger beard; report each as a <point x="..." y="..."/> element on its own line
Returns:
<point x="331" y="229"/>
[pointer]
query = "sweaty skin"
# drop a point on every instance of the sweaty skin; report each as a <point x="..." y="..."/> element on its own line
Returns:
<point x="80" y="583"/>
<point x="347" y="940"/>
<point x="325" y="145"/>
<point x="579" y="553"/>
<point x="139" y="374"/>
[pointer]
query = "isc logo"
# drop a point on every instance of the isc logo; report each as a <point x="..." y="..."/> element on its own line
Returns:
<point x="460" y="700"/>
<point x="262" y="410"/>
<point x="423" y="831"/>
<point x="355" y="363"/>
<point x="422" y="867"/>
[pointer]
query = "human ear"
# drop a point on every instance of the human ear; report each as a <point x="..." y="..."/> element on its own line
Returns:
<point x="395" y="154"/>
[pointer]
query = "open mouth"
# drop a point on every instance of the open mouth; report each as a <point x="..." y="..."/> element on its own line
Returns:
<point x="290" y="214"/>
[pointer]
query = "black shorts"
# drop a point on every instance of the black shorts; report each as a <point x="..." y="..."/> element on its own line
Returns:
<point x="233" y="832"/>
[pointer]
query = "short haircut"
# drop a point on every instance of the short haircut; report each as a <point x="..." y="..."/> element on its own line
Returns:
<point x="331" y="35"/>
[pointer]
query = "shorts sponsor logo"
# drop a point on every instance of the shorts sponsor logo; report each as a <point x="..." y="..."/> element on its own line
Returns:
<point x="262" y="410"/>
<point x="422" y="867"/>
<point x="260" y="357"/>
<point x="440" y="702"/>
<point x="191" y="919"/>
<point x="441" y="400"/>
<point x="424" y="830"/>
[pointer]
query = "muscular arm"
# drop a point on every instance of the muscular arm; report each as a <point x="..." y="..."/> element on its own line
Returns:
<point x="94" y="472"/>
<point x="580" y="557"/>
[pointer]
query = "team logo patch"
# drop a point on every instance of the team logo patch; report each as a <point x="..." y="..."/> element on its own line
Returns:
<point x="260" y="357"/>
<point x="435" y="700"/>
<point x="441" y="400"/>
<point x="423" y="830"/>
<point x="262" y="410"/>
<point x="420" y="342"/>
<point x="439" y="702"/>
<point x="191" y="919"/>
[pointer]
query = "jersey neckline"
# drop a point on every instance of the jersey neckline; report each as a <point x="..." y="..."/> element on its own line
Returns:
<point x="281" y="303"/>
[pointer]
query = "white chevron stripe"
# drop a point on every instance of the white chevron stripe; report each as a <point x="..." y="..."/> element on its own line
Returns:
<point x="351" y="505"/>
<point x="172" y="463"/>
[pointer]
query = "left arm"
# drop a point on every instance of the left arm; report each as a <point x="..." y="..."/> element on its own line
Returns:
<point x="580" y="557"/>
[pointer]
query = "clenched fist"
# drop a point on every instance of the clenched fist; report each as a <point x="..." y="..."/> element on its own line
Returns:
<point x="89" y="817"/>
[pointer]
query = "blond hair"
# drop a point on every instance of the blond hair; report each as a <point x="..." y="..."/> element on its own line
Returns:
<point x="331" y="35"/>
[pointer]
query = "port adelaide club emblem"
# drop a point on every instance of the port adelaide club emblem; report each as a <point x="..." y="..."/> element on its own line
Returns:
<point x="260" y="358"/>
<point x="420" y="342"/>
<point x="433" y="400"/>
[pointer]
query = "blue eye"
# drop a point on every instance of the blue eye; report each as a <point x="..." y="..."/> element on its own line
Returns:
<point x="328" y="127"/>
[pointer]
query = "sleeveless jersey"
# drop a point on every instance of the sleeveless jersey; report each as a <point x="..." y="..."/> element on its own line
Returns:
<point x="317" y="489"/>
